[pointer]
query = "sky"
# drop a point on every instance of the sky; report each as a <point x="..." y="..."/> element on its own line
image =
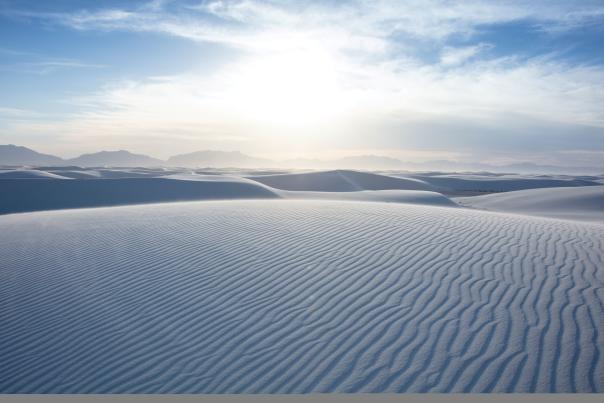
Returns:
<point x="480" y="81"/>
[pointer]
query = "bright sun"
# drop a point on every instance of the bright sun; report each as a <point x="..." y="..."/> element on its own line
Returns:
<point x="291" y="89"/>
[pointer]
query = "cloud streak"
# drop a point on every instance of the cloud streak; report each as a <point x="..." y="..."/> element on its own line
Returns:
<point x="47" y="66"/>
<point x="367" y="24"/>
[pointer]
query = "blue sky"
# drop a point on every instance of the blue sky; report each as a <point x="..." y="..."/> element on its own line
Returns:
<point x="483" y="81"/>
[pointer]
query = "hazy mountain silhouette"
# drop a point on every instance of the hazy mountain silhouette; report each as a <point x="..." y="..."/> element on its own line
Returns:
<point x="115" y="158"/>
<point x="17" y="155"/>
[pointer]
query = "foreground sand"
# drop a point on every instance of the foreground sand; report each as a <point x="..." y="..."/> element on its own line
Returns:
<point x="299" y="296"/>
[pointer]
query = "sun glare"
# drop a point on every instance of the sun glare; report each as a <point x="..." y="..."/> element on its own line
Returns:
<point x="290" y="89"/>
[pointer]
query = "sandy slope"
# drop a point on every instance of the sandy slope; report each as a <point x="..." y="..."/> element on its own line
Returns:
<point x="29" y="174"/>
<point x="476" y="184"/>
<point x="576" y="203"/>
<point x="26" y="195"/>
<point x="34" y="195"/>
<point x="122" y="186"/>
<point x="340" y="181"/>
<point x="299" y="296"/>
<point x="385" y="196"/>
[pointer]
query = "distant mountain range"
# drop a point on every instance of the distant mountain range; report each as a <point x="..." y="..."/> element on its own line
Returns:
<point x="12" y="155"/>
<point x="16" y="155"/>
<point x="114" y="158"/>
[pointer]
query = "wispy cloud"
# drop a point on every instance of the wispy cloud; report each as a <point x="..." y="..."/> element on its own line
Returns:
<point x="452" y="56"/>
<point x="19" y="113"/>
<point x="352" y="23"/>
<point x="36" y="63"/>
<point x="14" y="52"/>
<point x="47" y="66"/>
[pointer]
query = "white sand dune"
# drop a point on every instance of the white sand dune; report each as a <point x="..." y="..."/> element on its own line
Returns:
<point x="131" y="173"/>
<point x="77" y="174"/>
<point x="28" y="195"/>
<point x="24" y="195"/>
<point x="475" y="184"/>
<point x="384" y="196"/>
<point x="299" y="296"/>
<point x="577" y="203"/>
<point x="120" y="173"/>
<point x="122" y="186"/>
<point x="191" y="176"/>
<point x="83" y="173"/>
<point x="29" y="174"/>
<point x="340" y="181"/>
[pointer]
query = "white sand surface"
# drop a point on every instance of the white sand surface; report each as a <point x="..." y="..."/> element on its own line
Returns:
<point x="575" y="203"/>
<point x="298" y="297"/>
<point x="482" y="183"/>
<point x="29" y="174"/>
<point x="340" y="181"/>
<point x="113" y="187"/>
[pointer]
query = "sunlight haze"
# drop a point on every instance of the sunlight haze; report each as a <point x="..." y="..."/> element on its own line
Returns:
<point x="505" y="82"/>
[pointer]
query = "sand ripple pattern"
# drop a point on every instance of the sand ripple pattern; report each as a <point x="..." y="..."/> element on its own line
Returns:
<point x="297" y="297"/>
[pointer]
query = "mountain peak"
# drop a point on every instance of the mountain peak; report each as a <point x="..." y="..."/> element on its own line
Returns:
<point x="11" y="154"/>
<point x="115" y="158"/>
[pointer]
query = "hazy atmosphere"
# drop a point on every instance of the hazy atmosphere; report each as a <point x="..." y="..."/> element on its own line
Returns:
<point x="498" y="82"/>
